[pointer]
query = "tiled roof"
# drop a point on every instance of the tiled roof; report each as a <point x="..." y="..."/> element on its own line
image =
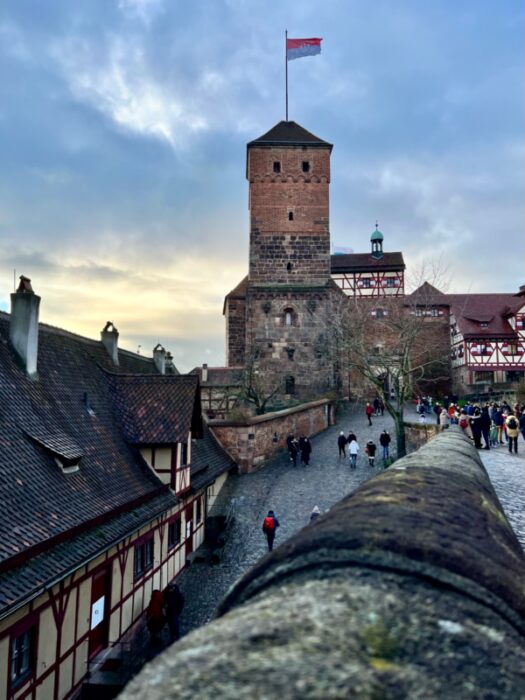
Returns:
<point x="157" y="410"/>
<point x="471" y="310"/>
<point x="427" y="295"/>
<point x="364" y="262"/>
<point x="39" y="501"/>
<point x="208" y="461"/>
<point x="289" y="134"/>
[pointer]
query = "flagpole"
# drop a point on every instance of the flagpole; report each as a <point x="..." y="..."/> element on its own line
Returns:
<point x="286" y="67"/>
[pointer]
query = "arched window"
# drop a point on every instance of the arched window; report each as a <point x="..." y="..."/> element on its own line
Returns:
<point x="289" y="387"/>
<point x="289" y="317"/>
<point x="290" y="216"/>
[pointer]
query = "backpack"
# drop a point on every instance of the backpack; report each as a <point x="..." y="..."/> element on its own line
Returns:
<point x="463" y="422"/>
<point x="511" y="423"/>
<point x="268" y="524"/>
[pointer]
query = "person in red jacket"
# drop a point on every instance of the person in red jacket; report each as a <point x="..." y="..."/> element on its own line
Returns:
<point x="270" y="525"/>
<point x="369" y="410"/>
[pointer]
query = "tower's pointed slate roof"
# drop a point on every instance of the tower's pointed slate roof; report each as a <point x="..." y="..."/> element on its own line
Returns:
<point x="289" y="134"/>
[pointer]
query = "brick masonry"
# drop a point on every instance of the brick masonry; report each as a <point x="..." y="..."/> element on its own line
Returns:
<point x="252" y="442"/>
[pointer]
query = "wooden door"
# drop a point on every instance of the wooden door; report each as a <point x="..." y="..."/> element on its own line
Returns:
<point x="99" y="611"/>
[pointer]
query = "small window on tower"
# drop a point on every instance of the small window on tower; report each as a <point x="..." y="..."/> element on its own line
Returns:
<point x="306" y="166"/>
<point x="289" y="267"/>
<point x="290" y="216"/>
<point x="276" y="166"/>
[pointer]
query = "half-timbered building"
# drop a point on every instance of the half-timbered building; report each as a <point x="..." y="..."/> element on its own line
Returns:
<point x="487" y="333"/>
<point x="370" y="275"/>
<point x="106" y="479"/>
<point x="220" y="389"/>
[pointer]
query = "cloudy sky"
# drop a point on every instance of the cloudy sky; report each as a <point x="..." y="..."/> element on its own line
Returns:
<point x="123" y="126"/>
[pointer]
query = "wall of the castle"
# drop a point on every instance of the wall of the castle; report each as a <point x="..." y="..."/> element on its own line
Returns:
<point x="235" y="313"/>
<point x="289" y="215"/>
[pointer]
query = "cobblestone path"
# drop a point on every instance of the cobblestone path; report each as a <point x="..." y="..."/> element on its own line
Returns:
<point x="293" y="491"/>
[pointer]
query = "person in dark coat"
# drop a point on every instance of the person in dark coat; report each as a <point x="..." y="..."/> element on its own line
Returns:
<point x="174" y="606"/>
<point x="351" y="436"/>
<point x="475" y="426"/>
<point x="306" y="450"/>
<point x="155" y="618"/>
<point x="370" y="450"/>
<point x="377" y="406"/>
<point x="341" y="444"/>
<point x="270" y="525"/>
<point x="522" y="423"/>
<point x="484" y="424"/>
<point x="437" y="411"/>
<point x="292" y="449"/>
<point x="384" y="441"/>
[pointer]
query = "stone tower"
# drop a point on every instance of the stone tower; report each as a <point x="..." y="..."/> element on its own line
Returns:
<point x="277" y="317"/>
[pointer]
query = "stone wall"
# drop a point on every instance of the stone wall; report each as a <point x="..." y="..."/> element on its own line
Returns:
<point x="235" y="313"/>
<point x="418" y="435"/>
<point x="253" y="441"/>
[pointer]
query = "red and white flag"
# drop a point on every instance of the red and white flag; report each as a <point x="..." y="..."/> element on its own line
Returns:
<point x="297" y="48"/>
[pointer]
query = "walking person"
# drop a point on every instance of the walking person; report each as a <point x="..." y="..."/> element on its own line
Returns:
<point x="475" y="426"/>
<point x="513" y="430"/>
<point x="293" y="449"/>
<point x="443" y="419"/>
<point x="377" y="406"/>
<point x="437" y="410"/>
<point x="384" y="441"/>
<point x="484" y="422"/>
<point x="155" y="618"/>
<point x="370" y="450"/>
<point x="174" y="606"/>
<point x="305" y="448"/>
<point x="353" y="449"/>
<point x="341" y="444"/>
<point x="369" y="410"/>
<point x="522" y="423"/>
<point x="315" y="514"/>
<point x="270" y="525"/>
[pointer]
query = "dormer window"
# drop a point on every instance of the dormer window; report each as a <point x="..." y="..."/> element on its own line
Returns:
<point x="276" y="166"/>
<point x="483" y="324"/>
<point x="306" y="166"/>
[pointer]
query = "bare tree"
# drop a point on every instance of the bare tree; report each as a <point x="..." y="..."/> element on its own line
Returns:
<point x="258" y="387"/>
<point x="395" y="346"/>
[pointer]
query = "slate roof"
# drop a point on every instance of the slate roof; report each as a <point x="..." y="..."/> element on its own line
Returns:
<point x="364" y="262"/>
<point x="41" y="505"/>
<point x="470" y="310"/>
<point x="208" y="460"/>
<point x="157" y="410"/>
<point x="289" y="134"/>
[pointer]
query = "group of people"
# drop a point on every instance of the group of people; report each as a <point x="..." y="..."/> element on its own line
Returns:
<point x="370" y="448"/>
<point x="164" y="608"/>
<point x="496" y="424"/>
<point x="302" y="447"/>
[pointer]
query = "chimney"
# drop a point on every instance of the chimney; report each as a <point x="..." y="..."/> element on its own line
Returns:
<point x="159" y="358"/>
<point x="23" y="329"/>
<point x="109" y="338"/>
<point x="170" y="366"/>
<point x="204" y="373"/>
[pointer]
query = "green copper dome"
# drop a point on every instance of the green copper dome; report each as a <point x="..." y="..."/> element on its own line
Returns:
<point x="376" y="236"/>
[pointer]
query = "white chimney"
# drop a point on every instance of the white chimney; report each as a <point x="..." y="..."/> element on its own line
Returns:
<point x="204" y="373"/>
<point x="109" y="338"/>
<point x="159" y="358"/>
<point x="23" y="329"/>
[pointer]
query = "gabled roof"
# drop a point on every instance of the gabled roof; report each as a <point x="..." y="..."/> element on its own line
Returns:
<point x="364" y="262"/>
<point x="289" y="134"/>
<point x="41" y="505"/>
<point x="472" y="310"/>
<point x="427" y="295"/>
<point x="157" y="410"/>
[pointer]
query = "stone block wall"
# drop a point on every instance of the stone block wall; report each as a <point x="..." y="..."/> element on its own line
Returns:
<point x="418" y="435"/>
<point x="235" y="313"/>
<point x="251" y="442"/>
